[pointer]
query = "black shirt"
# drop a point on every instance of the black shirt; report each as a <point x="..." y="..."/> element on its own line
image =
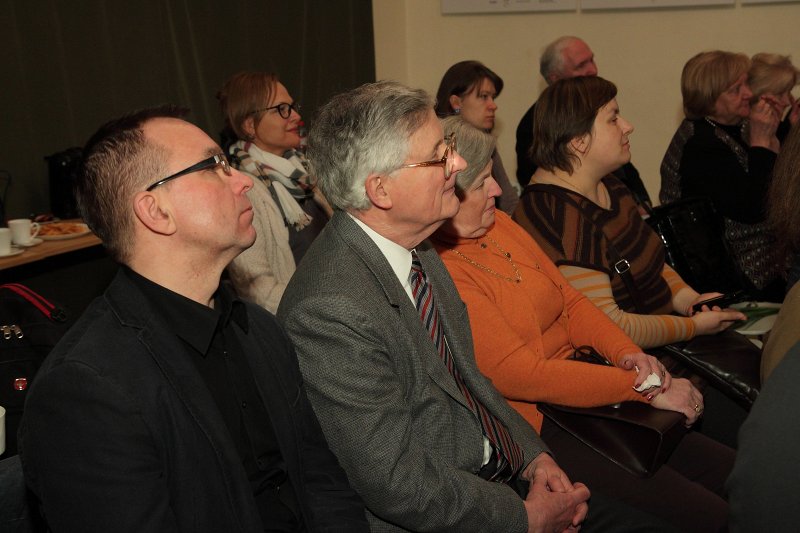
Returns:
<point x="212" y="336"/>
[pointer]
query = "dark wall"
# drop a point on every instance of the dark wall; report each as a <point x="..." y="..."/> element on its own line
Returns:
<point x="70" y="65"/>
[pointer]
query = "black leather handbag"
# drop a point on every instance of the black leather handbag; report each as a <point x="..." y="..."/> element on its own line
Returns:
<point x="728" y="361"/>
<point x="30" y="326"/>
<point x="633" y="435"/>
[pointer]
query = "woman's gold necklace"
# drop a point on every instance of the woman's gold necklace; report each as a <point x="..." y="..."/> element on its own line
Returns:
<point x="517" y="276"/>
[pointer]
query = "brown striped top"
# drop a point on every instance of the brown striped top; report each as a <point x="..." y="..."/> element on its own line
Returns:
<point x="579" y="235"/>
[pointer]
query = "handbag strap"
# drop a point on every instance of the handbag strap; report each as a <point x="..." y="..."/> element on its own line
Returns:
<point x="47" y="308"/>
<point x="619" y="264"/>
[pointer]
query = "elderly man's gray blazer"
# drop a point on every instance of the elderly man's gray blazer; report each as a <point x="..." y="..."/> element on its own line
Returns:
<point x="387" y="404"/>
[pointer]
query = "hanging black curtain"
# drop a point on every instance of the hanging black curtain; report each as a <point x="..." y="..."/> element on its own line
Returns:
<point x="70" y="65"/>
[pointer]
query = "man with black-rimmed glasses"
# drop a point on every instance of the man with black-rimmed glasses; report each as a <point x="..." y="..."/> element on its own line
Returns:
<point x="172" y="405"/>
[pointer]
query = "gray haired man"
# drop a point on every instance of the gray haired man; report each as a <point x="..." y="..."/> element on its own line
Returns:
<point x="384" y="341"/>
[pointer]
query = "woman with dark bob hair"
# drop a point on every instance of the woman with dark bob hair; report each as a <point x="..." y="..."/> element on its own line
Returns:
<point x="526" y="321"/>
<point x="587" y="222"/>
<point x="469" y="89"/>
<point x="289" y="211"/>
<point x="725" y="150"/>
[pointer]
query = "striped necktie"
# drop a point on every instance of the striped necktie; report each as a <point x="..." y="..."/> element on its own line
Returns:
<point x="507" y="453"/>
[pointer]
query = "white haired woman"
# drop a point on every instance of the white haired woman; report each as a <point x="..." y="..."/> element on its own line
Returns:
<point x="526" y="321"/>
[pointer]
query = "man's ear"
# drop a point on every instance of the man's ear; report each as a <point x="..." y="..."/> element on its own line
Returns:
<point x="154" y="212"/>
<point x="455" y="102"/>
<point x="378" y="191"/>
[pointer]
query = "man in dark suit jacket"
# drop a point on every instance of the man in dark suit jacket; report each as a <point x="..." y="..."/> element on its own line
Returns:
<point x="567" y="57"/>
<point x="171" y="405"/>
<point x="403" y="429"/>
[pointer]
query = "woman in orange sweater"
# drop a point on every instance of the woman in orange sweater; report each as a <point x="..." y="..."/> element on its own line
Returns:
<point x="527" y="321"/>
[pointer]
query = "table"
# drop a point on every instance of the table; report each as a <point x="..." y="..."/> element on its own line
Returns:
<point x="49" y="249"/>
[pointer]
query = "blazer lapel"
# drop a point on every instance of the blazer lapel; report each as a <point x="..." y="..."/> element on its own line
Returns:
<point x="423" y="347"/>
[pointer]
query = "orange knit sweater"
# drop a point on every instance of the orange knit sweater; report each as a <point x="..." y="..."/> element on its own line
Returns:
<point x="524" y="332"/>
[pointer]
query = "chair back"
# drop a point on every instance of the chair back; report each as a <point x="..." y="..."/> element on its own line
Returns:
<point x="15" y="510"/>
<point x="693" y="234"/>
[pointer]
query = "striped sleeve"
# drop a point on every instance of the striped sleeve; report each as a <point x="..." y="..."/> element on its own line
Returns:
<point x="647" y="331"/>
<point x="674" y="280"/>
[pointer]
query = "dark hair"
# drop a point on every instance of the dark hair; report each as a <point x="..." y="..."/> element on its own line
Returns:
<point x="461" y="79"/>
<point x="566" y="110"/>
<point x="783" y="200"/>
<point x="117" y="163"/>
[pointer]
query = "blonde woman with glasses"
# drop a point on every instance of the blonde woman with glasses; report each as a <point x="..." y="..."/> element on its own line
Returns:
<point x="289" y="210"/>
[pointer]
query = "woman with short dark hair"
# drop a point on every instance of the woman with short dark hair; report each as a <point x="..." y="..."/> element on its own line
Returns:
<point x="583" y="217"/>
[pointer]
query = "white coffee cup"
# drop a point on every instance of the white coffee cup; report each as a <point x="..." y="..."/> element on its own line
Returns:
<point x="5" y="241"/>
<point x="23" y="230"/>
<point x="2" y="430"/>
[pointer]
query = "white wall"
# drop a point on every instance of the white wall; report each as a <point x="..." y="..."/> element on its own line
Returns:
<point x="642" y="51"/>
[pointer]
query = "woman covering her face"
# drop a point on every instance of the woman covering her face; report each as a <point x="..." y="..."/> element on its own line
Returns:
<point x="725" y="150"/>
<point x="772" y="77"/>
<point x="289" y="211"/>
<point x="469" y="89"/>
<point x="526" y="321"/>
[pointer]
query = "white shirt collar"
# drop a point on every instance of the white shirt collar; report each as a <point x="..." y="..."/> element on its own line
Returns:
<point x="398" y="257"/>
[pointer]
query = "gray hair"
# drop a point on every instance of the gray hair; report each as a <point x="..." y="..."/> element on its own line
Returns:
<point x="552" y="60"/>
<point x="361" y="132"/>
<point x="473" y="144"/>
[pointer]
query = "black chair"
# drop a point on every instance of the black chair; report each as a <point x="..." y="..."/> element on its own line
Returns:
<point x="16" y="515"/>
<point x="693" y="234"/>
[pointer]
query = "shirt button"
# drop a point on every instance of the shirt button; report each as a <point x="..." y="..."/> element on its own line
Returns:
<point x="244" y="405"/>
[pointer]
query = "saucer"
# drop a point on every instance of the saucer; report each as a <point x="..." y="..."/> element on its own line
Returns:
<point x="30" y="244"/>
<point x="14" y="251"/>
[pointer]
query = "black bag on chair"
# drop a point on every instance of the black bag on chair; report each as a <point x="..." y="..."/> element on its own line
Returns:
<point x="30" y="326"/>
<point x="693" y="236"/>
<point x="727" y="360"/>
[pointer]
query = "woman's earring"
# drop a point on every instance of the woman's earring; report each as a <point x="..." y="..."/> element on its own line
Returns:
<point x="457" y="110"/>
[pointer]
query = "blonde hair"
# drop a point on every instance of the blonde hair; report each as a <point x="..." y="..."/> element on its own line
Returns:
<point x="771" y="73"/>
<point x="706" y="76"/>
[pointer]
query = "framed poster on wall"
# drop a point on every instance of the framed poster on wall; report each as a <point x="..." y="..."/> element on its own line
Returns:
<point x="457" y="7"/>
<point x="589" y="5"/>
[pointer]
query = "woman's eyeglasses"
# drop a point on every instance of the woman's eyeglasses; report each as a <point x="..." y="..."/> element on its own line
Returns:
<point x="284" y="109"/>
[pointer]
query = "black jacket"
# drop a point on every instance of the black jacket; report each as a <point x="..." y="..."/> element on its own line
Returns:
<point x="120" y="433"/>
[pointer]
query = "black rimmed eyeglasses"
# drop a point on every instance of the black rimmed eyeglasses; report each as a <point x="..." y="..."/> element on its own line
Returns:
<point x="213" y="161"/>
<point x="447" y="161"/>
<point x="284" y="109"/>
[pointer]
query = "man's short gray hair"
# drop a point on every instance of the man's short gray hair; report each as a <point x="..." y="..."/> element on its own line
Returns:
<point x="552" y="60"/>
<point x="361" y="132"/>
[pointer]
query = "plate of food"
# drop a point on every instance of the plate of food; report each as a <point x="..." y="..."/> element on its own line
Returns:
<point x="59" y="231"/>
